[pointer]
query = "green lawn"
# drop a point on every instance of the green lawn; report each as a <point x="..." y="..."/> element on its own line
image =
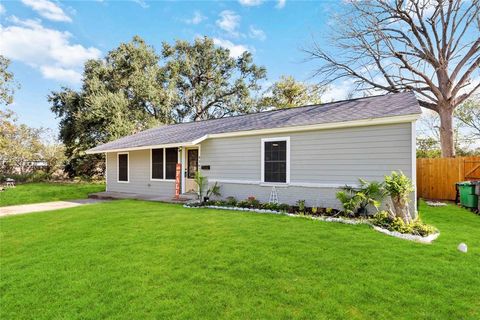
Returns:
<point x="134" y="260"/>
<point x="44" y="192"/>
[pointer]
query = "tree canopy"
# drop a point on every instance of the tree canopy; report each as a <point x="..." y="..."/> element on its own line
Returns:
<point x="203" y="81"/>
<point x="288" y="93"/>
<point x="134" y="88"/>
<point x="7" y="82"/>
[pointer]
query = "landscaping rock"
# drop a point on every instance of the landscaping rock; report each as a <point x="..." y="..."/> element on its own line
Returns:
<point x="462" y="247"/>
<point x="436" y="204"/>
<point x="406" y="236"/>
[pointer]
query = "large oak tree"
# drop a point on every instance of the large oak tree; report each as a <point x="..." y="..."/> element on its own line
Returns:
<point x="429" y="46"/>
<point x="204" y="81"/>
<point x="134" y="88"/>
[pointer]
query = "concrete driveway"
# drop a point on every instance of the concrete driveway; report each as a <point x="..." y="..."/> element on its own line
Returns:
<point x="45" y="206"/>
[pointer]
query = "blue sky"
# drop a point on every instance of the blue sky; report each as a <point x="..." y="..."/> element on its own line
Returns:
<point x="48" y="41"/>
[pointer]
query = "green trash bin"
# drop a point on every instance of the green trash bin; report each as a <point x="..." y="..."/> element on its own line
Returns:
<point x="468" y="198"/>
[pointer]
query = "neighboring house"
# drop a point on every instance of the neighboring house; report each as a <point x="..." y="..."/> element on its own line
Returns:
<point x="305" y="152"/>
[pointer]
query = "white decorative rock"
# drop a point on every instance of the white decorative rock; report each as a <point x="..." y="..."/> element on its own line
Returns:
<point x="462" y="247"/>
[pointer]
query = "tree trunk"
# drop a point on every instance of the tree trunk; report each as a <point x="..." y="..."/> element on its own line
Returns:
<point x="402" y="209"/>
<point x="446" y="131"/>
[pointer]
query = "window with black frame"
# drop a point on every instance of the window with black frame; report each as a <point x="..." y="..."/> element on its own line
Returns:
<point x="171" y="159"/>
<point x="275" y="161"/>
<point x="123" y="167"/>
<point x="157" y="163"/>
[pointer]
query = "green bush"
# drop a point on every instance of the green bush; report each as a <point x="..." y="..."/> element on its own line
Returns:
<point x="386" y="221"/>
<point x="243" y="204"/>
<point x="356" y="200"/>
<point x="231" y="201"/>
<point x="301" y="206"/>
<point x="283" y="207"/>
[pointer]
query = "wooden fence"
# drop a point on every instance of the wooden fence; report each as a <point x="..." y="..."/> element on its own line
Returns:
<point x="436" y="178"/>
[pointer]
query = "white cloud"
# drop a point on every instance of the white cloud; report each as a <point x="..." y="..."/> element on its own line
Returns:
<point x="250" y="3"/>
<point x="338" y="91"/>
<point x="45" y="49"/>
<point x="2" y="9"/>
<point x="48" y="10"/>
<point x="257" y="33"/>
<point x="141" y="3"/>
<point x="229" y="22"/>
<point x="61" y="74"/>
<point x="236" y="50"/>
<point x="281" y="4"/>
<point x="197" y="18"/>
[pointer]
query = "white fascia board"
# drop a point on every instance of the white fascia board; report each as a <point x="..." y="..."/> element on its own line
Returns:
<point x="171" y="145"/>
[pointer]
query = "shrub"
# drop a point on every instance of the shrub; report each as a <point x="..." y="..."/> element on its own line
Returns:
<point x="243" y="204"/>
<point x="385" y="220"/>
<point x="270" y="206"/>
<point x="253" y="202"/>
<point x="301" y="206"/>
<point x="231" y="201"/>
<point x="399" y="187"/>
<point x="355" y="200"/>
<point x="283" y="207"/>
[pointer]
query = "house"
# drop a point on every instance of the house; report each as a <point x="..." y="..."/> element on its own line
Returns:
<point x="305" y="152"/>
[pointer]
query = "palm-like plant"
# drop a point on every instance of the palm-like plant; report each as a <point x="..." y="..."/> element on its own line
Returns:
<point x="356" y="199"/>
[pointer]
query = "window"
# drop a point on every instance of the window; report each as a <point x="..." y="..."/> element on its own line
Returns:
<point x="122" y="167"/>
<point x="171" y="159"/>
<point x="275" y="160"/>
<point x="157" y="163"/>
<point x="163" y="163"/>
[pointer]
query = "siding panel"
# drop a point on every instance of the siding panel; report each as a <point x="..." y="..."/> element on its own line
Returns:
<point x="139" y="176"/>
<point x="324" y="156"/>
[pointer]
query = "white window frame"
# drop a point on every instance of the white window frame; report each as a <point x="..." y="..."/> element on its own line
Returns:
<point x="262" y="161"/>
<point x="164" y="163"/>
<point x="128" y="167"/>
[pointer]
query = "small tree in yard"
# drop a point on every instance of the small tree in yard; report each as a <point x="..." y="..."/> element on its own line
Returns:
<point x="399" y="187"/>
<point x="429" y="46"/>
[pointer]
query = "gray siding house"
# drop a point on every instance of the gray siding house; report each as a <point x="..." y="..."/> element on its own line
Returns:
<point x="307" y="153"/>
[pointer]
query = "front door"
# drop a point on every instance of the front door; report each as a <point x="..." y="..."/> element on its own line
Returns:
<point x="192" y="167"/>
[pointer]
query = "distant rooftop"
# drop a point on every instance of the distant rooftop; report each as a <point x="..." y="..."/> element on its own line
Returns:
<point x="384" y="106"/>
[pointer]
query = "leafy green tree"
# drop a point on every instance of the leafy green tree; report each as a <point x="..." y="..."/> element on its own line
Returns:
<point x="19" y="145"/>
<point x="469" y="115"/>
<point x="121" y="94"/>
<point x="203" y="81"/>
<point x="7" y="82"/>
<point x="287" y="93"/>
<point x="130" y="90"/>
<point x="428" y="148"/>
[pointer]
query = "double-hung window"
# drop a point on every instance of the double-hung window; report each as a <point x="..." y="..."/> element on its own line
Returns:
<point x="163" y="163"/>
<point x="122" y="165"/>
<point x="275" y="160"/>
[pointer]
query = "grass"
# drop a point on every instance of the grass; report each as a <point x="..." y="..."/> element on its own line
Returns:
<point x="132" y="260"/>
<point x="44" y="192"/>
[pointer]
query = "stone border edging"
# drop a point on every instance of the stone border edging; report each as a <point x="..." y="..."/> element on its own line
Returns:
<point x="404" y="236"/>
<point x="407" y="236"/>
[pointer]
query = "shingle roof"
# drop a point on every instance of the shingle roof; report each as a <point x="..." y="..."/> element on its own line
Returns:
<point x="397" y="104"/>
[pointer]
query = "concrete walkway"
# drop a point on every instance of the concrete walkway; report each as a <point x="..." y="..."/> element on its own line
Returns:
<point x="45" y="206"/>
